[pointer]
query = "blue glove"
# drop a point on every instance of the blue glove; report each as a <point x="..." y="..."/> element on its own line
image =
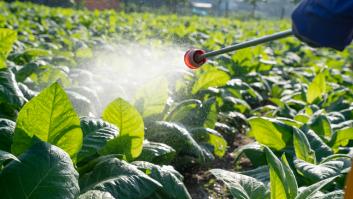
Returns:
<point x="324" y="23"/>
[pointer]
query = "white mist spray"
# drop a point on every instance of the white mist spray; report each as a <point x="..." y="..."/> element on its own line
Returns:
<point x="118" y="70"/>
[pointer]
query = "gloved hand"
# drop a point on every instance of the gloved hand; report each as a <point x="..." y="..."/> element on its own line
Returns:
<point x="324" y="23"/>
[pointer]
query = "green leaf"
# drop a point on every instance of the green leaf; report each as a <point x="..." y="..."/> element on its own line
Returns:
<point x="319" y="146"/>
<point x="321" y="125"/>
<point x="151" y="98"/>
<point x="208" y="113"/>
<point x="43" y="170"/>
<point x="8" y="112"/>
<point x="28" y="93"/>
<point x="196" y="115"/>
<point x="283" y="182"/>
<point x="302" y="147"/>
<point x="129" y="121"/>
<point x="172" y="185"/>
<point x="291" y="182"/>
<point x="157" y="153"/>
<point x="7" y="39"/>
<point x="290" y="122"/>
<point x="308" y="192"/>
<point x="211" y="137"/>
<point x="120" y="179"/>
<point x="96" y="134"/>
<point x="232" y="103"/>
<point x="317" y="88"/>
<point x="9" y="90"/>
<point x="50" y="74"/>
<point x="36" y="52"/>
<point x="303" y="118"/>
<point x="277" y="187"/>
<point x="270" y="132"/>
<point x="261" y="173"/>
<point x="83" y="106"/>
<point x="27" y="69"/>
<point x="28" y="55"/>
<point x="84" y="53"/>
<point x="253" y="151"/>
<point x="7" y="129"/>
<point x="316" y="173"/>
<point x="342" y="157"/>
<point x="338" y="194"/>
<point x="182" y="110"/>
<point x="89" y="94"/>
<point x="50" y="117"/>
<point x="177" y="137"/>
<point x="341" y="138"/>
<point x="96" y="194"/>
<point x="5" y="156"/>
<point x="212" y="77"/>
<point x="241" y="186"/>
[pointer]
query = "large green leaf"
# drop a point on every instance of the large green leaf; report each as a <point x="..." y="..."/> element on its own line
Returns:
<point x="152" y="97"/>
<point x="50" y="117"/>
<point x="157" y="153"/>
<point x="341" y="138"/>
<point x="302" y="147"/>
<point x="43" y="170"/>
<point x="177" y="137"/>
<point x="283" y="182"/>
<point x="165" y="175"/>
<point x="7" y="130"/>
<point x="96" y="134"/>
<point x="7" y="39"/>
<point x="241" y="186"/>
<point x="131" y="126"/>
<point x="316" y="173"/>
<point x="317" y="88"/>
<point x="212" y="77"/>
<point x="120" y="179"/>
<point x="270" y="132"/>
<point x="308" y="192"/>
<point x="9" y="90"/>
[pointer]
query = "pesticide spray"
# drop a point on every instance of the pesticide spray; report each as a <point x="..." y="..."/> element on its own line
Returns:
<point x="118" y="70"/>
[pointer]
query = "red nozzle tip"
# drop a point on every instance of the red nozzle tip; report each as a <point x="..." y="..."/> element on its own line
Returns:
<point x="191" y="58"/>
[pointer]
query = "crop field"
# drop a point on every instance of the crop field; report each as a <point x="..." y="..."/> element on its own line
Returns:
<point x="100" y="105"/>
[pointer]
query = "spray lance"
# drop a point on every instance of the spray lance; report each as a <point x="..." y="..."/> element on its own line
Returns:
<point x="195" y="58"/>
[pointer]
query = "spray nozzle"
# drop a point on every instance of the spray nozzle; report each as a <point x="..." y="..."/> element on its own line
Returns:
<point x="193" y="58"/>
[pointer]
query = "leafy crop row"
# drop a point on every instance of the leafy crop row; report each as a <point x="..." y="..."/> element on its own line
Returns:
<point x="295" y="102"/>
